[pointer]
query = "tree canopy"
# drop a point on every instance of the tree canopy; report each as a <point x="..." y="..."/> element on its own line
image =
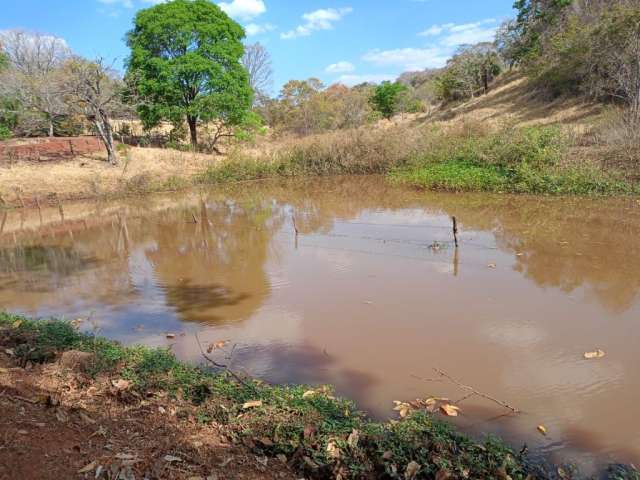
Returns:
<point x="185" y="65"/>
<point x="386" y="97"/>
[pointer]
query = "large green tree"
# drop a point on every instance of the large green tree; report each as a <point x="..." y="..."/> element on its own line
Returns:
<point x="185" y="65"/>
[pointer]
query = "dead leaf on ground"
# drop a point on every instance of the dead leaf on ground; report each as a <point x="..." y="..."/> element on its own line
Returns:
<point x="354" y="436"/>
<point x="542" y="429"/>
<point x="121" y="384"/>
<point x="171" y="459"/>
<point x="402" y="407"/>
<point x="16" y="324"/>
<point x="88" y="468"/>
<point x="333" y="451"/>
<point x="308" y="393"/>
<point x="411" y="470"/>
<point x="450" y="410"/>
<point x="492" y="265"/>
<point x="252" y="404"/>
<point x="595" y="354"/>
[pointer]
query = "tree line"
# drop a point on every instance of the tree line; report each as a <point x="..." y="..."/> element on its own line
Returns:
<point x="188" y="66"/>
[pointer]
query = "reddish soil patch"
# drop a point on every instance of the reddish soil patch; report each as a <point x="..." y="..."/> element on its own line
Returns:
<point x="58" y="423"/>
<point x="47" y="149"/>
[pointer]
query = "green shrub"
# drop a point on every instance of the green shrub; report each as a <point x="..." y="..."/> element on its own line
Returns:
<point x="5" y="133"/>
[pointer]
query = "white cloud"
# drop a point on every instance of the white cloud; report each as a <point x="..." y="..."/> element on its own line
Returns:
<point x="351" y="80"/>
<point x="453" y="35"/>
<point x="124" y="3"/>
<point x="340" y="67"/>
<point x="435" y="30"/>
<point x="243" y="9"/>
<point x="322" y="19"/>
<point x="408" y="58"/>
<point x="256" y="29"/>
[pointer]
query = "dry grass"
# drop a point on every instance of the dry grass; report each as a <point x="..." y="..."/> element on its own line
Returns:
<point x="83" y="177"/>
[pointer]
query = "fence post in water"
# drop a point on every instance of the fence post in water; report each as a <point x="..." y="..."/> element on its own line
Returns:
<point x="455" y="231"/>
<point x="295" y="228"/>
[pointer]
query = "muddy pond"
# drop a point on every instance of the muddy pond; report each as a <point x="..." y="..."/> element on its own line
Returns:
<point x="371" y="296"/>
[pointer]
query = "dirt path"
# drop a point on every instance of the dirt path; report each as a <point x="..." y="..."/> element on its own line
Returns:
<point x="57" y="423"/>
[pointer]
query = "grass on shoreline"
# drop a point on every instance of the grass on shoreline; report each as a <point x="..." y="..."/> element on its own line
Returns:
<point x="525" y="160"/>
<point x="322" y="436"/>
<point x="536" y="160"/>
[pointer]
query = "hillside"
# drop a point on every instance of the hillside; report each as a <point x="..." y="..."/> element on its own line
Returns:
<point x="510" y="101"/>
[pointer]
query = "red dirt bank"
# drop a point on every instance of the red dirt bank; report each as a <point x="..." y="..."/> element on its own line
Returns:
<point x="46" y="149"/>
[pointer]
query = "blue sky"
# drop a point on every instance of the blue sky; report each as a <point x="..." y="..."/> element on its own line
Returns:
<point x="335" y="40"/>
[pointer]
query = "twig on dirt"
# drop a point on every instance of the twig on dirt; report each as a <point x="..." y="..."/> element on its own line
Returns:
<point x="474" y="391"/>
<point x="220" y="365"/>
<point x="19" y="398"/>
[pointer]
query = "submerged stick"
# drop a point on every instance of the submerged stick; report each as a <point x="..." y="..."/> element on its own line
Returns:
<point x="295" y="227"/>
<point x="455" y="231"/>
<point x="475" y="392"/>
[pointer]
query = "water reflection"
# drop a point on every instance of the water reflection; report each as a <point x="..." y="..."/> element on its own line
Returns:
<point x="370" y="294"/>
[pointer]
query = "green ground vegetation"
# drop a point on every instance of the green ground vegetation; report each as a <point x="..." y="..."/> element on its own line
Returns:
<point x="321" y="434"/>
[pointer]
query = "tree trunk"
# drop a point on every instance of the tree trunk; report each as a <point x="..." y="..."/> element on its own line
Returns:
<point x="50" y="127"/>
<point x="192" y="129"/>
<point x="103" y="127"/>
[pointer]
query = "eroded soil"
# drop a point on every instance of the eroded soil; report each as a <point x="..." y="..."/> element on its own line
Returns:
<point x="57" y="423"/>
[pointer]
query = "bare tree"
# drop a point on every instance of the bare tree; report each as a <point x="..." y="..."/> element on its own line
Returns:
<point x="34" y="77"/>
<point x="93" y="90"/>
<point x="257" y="61"/>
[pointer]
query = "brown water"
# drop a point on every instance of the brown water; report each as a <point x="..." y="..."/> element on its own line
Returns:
<point x="365" y="301"/>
